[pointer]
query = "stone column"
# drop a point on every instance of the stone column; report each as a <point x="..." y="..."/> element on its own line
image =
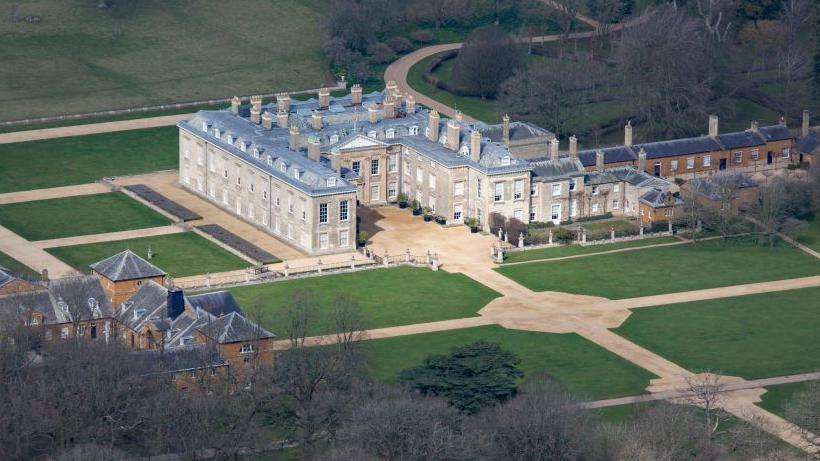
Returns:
<point x="612" y="233"/>
<point x="285" y="269"/>
<point x="407" y="255"/>
<point x="550" y="241"/>
<point x="584" y="236"/>
<point x="386" y="259"/>
<point x="641" y="231"/>
<point x="352" y="261"/>
<point x="500" y="254"/>
<point x="521" y="240"/>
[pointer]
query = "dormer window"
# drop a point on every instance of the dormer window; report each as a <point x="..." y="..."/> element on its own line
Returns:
<point x="414" y="130"/>
<point x="139" y="313"/>
<point x="371" y="134"/>
<point x="205" y="126"/>
<point x="216" y="132"/>
<point x="331" y="182"/>
<point x="283" y="167"/>
<point x="465" y="150"/>
<point x="270" y="160"/>
<point x="505" y="160"/>
<point x="390" y="133"/>
<point x="334" y="138"/>
<point x="443" y="139"/>
<point x="255" y="152"/>
<point x="297" y="174"/>
<point x="243" y="147"/>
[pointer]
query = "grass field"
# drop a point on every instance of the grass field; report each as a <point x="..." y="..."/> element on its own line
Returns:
<point x="178" y="254"/>
<point x="80" y="58"/>
<point x="573" y="250"/>
<point x="754" y="336"/>
<point x="388" y="297"/>
<point x="85" y="159"/>
<point x="79" y="215"/>
<point x="671" y="269"/>
<point x="776" y="397"/>
<point x="16" y="266"/>
<point x="579" y="365"/>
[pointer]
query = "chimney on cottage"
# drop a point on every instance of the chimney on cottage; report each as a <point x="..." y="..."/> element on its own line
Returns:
<point x="267" y="121"/>
<point x="336" y="160"/>
<point x="356" y="94"/>
<point x="313" y="148"/>
<point x="475" y="146"/>
<point x="573" y="146"/>
<point x="410" y="104"/>
<point x="294" y="138"/>
<point x="804" y="128"/>
<point x="324" y="98"/>
<point x="175" y="303"/>
<point x="389" y="108"/>
<point x="782" y="120"/>
<point x="235" y="103"/>
<point x="283" y="102"/>
<point x="713" y="125"/>
<point x="553" y="149"/>
<point x="255" y="114"/>
<point x="432" y="125"/>
<point x="755" y="127"/>
<point x="505" y="131"/>
<point x="44" y="275"/>
<point x="282" y="119"/>
<point x="372" y="113"/>
<point x="642" y="160"/>
<point x="316" y="120"/>
<point x="599" y="159"/>
<point x="453" y="134"/>
<point x="628" y="133"/>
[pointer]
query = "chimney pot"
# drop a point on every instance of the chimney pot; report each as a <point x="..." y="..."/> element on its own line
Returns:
<point x="235" y="103"/>
<point x="553" y="149"/>
<point x="389" y="108"/>
<point x="599" y="159"/>
<point x="782" y="120"/>
<point x="324" y="98"/>
<point x="282" y="119"/>
<point x="372" y="113"/>
<point x="573" y="146"/>
<point x="256" y="103"/>
<point x="255" y="114"/>
<point x="642" y="160"/>
<point x="336" y="160"/>
<point x="314" y="148"/>
<point x="410" y="104"/>
<point x="316" y="120"/>
<point x="505" y="132"/>
<point x="755" y="126"/>
<point x="267" y="120"/>
<point x="294" y="138"/>
<point x="283" y="102"/>
<point x="453" y="135"/>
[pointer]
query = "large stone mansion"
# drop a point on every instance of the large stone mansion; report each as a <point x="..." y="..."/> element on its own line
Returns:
<point x="298" y="169"/>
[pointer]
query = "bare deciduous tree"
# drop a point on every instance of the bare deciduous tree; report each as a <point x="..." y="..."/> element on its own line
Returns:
<point x="705" y="391"/>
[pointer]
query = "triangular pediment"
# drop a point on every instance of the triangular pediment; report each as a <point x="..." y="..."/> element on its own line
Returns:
<point x="360" y="142"/>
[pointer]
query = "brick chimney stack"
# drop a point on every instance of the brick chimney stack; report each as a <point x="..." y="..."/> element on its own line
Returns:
<point x="256" y="103"/>
<point x="255" y="115"/>
<point x="713" y="126"/>
<point x="782" y="120"/>
<point x="313" y="148"/>
<point x="754" y="127"/>
<point x="453" y="135"/>
<point x="324" y="98"/>
<point x="294" y="138"/>
<point x="432" y="125"/>
<point x="804" y="128"/>
<point x="553" y="149"/>
<point x="475" y="146"/>
<point x="573" y="146"/>
<point x="336" y="160"/>
<point x="372" y="113"/>
<point x="599" y="160"/>
<point x="356" y="94"/>
<point x="283" y="102"/>
<point x="505" y="132"/>
<point x="410" y="104"/>
<point x="390" y="89"/>
<point x="235" y="103"/>
<point x="282" y="119"/>
<point x="267" y="120"/>
<point x="628" y="133"/>
<point x="642" y="160"/>
<point x="389" y="108"/>
<point x="316" y="120"/>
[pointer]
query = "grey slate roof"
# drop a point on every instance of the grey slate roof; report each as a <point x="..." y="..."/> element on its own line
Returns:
<point x="54" y="302"/>
<point x="491" y="161"/>
<point x="775" y="133"/>
<point x="6" y="276"/>
<point x="518" y="131"/>
<point x="808" y="144"/>
<point x="217" y="303"/>
<point x="638" y="178"/>
<point x="562" y="168"/>
<point x="233" y="328"/>
<point x="614" y="154"/>
<point x="740" y="139"/>
<point x="126" y="266"/>
<point x="658" y="198"/>
<point x="148" y="302"/>
<point x="711" y="187"/>
<point x="684" y="146"/>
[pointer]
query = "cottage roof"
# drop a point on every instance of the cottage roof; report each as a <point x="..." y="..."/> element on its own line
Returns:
<point x="562" y="168"/>
<point x="217" y="303"/>
<point x="126" y="265"/>
<point x="740" y="139"/>
<point x="775" y="133"/>
<point x="233" y="328"/>
<point x="809" y="144"/>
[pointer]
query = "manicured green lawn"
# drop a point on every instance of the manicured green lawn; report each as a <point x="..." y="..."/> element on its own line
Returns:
<point x="16" y="266"/>
<point x="776" y="397"/>
<point x="80" y="215"/>
<point x="811" y="235"/>
<point x="580" y="366"/>
<point x="652" y="271"/>
<point x="136" y="53"/>
<point x="178" y="254"/>
<point x="85" y="159"/>
<point x="388" y="297"/>
<point x="572" y="250"/>
<point x="754" y="336"/>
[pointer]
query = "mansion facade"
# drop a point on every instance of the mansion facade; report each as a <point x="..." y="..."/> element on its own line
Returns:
<point x="298" y="169"/>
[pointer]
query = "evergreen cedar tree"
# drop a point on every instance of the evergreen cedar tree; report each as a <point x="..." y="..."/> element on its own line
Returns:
<point x="471" y="377"/>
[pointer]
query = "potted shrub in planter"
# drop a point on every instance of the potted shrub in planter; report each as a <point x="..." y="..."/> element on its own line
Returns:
<point x="416" y="208"/>
<point x="441" y="220"/>
<point x="427" y="216"/>
<point x="472" y="223"/>
<point x="402" y="199"/>
<point x="361" y="239"/>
